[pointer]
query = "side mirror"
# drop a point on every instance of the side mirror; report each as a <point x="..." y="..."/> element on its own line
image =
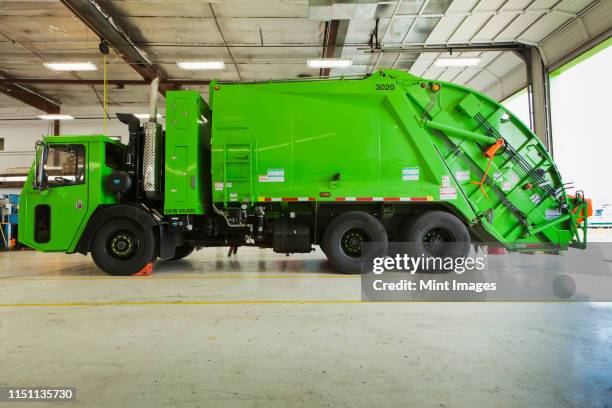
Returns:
<point x="39" y="163"/>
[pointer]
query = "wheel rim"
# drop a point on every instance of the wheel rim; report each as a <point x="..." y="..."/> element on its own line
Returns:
<point x="351" y="241"/>
<point x="122" y="245"/>
<point x="436" y="240"/>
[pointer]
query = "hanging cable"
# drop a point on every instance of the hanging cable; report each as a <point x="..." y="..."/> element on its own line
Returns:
<point x="105" y="98"/>
<point x="104" y="49"/>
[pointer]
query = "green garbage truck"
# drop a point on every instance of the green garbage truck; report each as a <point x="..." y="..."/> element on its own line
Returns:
<point x="293" y="164"/>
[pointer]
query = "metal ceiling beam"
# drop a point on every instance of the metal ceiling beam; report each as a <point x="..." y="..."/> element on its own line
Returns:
<point x="28" y="96"/>
<point x="112" y="82"/>
<point x="229" y="51"/>
<point x="101" y="22"/>
<point x="331" y="36"/>
<point x="451" y="48"/>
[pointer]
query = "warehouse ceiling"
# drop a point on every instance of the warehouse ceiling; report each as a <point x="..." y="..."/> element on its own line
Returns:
<point x="272" y="39"/>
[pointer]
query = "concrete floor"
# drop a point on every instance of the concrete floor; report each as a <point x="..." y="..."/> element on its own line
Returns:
<point x="263" y="330"/>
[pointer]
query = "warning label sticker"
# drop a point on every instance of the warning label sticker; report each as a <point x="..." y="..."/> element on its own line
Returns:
<point x="462" y="175"/>
<point x="448" y="193"/>
<point x="446" y="181"/>
<point x="219" y="185"/>
<point x="273" y="176"/>
<point x="410" y="174"/>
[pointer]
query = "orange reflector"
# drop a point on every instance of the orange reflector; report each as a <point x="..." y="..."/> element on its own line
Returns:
<point x="435" y="87"/>
<point x="589" y="213"/>
<point x="217" y="87"/>
<point x="325" y="194"/>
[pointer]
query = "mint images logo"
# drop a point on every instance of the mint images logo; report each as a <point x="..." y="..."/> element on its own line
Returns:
<point x="406" y="263"/>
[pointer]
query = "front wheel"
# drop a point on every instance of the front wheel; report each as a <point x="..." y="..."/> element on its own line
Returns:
<point x="344" y="238"/>
<point x="123" y="247"/>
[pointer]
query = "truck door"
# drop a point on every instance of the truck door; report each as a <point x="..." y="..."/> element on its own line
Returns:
<point x="58" y="209"/>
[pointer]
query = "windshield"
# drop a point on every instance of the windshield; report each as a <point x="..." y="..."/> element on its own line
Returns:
<point x="65" y="165"/>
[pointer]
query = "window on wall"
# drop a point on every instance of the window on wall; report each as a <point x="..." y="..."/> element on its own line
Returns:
<point x="580" y="116"/>
<point x="1" y="144"/>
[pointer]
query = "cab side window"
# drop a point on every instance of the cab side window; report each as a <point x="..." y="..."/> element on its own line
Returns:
<point x="65" y="165"/>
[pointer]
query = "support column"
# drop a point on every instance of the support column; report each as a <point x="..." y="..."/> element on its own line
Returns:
<point x="539" y="96"/>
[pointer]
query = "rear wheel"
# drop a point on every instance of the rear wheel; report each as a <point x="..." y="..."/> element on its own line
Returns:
<point x="182" y="251"/>
<point x="344" y="236"/>
<point x="436" y="234"/>
<point x="123" y="247"/>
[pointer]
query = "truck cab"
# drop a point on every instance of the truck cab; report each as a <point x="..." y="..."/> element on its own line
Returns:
<point x="65" y="187"/>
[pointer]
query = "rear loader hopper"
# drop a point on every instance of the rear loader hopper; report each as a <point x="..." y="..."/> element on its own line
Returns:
<point x="292" y="164"/>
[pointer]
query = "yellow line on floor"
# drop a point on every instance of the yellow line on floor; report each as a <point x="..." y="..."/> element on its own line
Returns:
<point x="141" y="278"/>
<point x="185" y="302"/>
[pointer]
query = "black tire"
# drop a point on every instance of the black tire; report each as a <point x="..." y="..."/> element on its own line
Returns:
<point x="182" y="251"/>
<point x="344" y="235"/>
<point x="436" y="234"/>
<point x="123" y="247"/>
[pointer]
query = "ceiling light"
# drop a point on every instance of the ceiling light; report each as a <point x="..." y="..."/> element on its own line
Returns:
<point x="329" y="63"/>
<point x="55" y="117"/>
<point x="9" y="179"/>
<point x="146" y="116"/>
<point x="195" y="65"/>
<point x="70" y="66"/>
<point x="457" y="62"/>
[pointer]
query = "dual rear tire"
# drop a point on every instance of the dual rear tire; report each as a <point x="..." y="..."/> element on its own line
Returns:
<point x="355" y="236"/>
<point x="435" y="234"/>
<point x="344" y="236"/>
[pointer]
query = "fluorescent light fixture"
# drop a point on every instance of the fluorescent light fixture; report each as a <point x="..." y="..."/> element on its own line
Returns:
<point x="457" y="62"/>
<point x="55" y="117"/>
<point x="70" y="66"/>
<point x="329" y="63"/>
<point x="200" y="65"/>
<point x="146" y="116"/>
<point x="9" y="179"/>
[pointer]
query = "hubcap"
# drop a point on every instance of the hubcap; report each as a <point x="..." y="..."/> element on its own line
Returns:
<point x="351" y="242"/>
<point x="122" y="245"/>
<point x="436" y="241"/>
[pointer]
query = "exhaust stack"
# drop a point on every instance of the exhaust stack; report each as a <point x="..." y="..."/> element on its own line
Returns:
<point x="151" y="161"/>
<point x="153" y="100"/>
